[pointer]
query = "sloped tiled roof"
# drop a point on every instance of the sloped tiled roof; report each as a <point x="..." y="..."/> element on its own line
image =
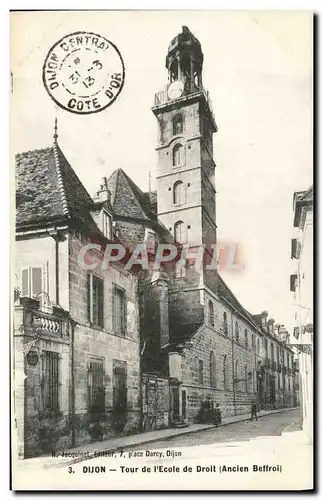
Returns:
<point x="48" y="190"/>
<point x="127" y="199"/>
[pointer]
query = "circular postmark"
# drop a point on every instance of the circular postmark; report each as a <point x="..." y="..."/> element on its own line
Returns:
<point x="83" y="73"/>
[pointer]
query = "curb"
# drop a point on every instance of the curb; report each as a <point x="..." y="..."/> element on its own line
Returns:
<point x="156" y="439"/>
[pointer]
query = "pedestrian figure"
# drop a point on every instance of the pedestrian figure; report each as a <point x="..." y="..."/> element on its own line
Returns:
<point x="254" y="410"/>
<point x="218" y="418"/>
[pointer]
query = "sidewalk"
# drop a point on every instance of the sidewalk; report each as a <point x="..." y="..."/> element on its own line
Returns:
<point x="86" y="452"/>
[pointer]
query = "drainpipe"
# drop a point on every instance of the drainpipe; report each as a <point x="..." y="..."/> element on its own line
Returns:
<point x="72" y="396"/>
<point x="57" y="268"/>
<point x="55" y="235"/>
<point x="233" y="368"/>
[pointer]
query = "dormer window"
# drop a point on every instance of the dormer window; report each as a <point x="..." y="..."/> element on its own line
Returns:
<point x="106" y="221"/>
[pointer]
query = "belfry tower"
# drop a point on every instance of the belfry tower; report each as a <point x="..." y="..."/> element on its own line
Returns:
<point x="185" y="171"/>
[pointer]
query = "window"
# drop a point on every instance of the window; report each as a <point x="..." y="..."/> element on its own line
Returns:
<point x="212" y="370"/>
<point x="246" y="377"/>
<point x="236" y="370"/>
<point x="177" y="125"/>
<point x="179" y="232"/>
<point x="211" y="313"/>
<point x="107" y="225"/>
<point x="31" y="282"/>
<point x="96" y="387"/>
<point x="277" y="353"/>
<point x="50" y="381"/>
<point x="225" y="372"/>
<point x="258" y="346"/>
<point x="178" y="193"/>
<point x="201" y="372"/>
<point x="237" y="331"/>
<point x="253" y="340"/>
<point x="287" y="356"/>
<point x="278" y="381"/>
<point x="178" y="155"/>
<point x="266" y="348"/>
<point x="95" y="300"/>
<point x="288" y="384"/>
<point x="225" y="323"/>
<point x="246" y="338"/>
<point x="272" y="348"/>
<point x="119" y="384"/>
<point x="119" y="310"/>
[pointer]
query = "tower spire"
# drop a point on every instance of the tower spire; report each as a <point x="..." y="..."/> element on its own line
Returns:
<point x="55" y="131"/>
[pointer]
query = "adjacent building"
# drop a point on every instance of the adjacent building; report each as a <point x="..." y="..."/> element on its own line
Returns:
<point x="301" y="283"/>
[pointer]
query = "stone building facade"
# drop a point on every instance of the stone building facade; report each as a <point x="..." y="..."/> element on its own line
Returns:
<point x="81" y="326"/>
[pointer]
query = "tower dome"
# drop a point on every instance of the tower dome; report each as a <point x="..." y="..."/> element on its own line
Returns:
<point x="184" y="59"/>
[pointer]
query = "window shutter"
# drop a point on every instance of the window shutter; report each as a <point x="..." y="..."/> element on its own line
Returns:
<point x="24" y="283"/>
<point x="113" y="308"/>
<point x="36" y="280"/>
<point x="89" y="298"/>
<point x="125" y="320"/>
<point x="101" y="303"/>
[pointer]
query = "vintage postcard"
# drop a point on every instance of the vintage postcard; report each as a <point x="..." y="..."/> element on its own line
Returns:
<point x="162" y="275"/>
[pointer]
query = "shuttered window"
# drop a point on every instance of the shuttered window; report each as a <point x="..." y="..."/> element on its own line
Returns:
<point x="119" y="384"/>
<point x="50" y="381"/>
<point x="96" y="386"/>
<point x="119" y="310"/>
<point x="32" y="282"/>
<point x="95" y="300"/>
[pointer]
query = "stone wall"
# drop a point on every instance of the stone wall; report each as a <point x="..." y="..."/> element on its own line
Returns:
<point x="155" y="402"/>
<point x="94" y="343"/>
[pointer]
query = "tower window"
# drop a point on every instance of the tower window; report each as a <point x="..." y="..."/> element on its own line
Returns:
<point x="178" y="155"/>
<point x="179" y="232"/>
<point x="211" y="313"/>
<point x="178" y="193"/>
<point x="177" y="125"/>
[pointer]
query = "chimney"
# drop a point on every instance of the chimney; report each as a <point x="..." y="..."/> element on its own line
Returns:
<point x="270" y="324"/>
<point x="264" y="315"/>
<point x="103" y="194"/>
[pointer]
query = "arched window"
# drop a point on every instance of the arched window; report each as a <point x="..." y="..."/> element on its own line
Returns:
<point x="246" y="338"/>
<point x="178" y="193"/>
<point x="211" y="313"/>
<point x="179" y="232"/>
<point x="246" y="377"/>
<point x="212" y="370"/>
<point x="225" y="374"/>
<point x="177" y="125"/>
<point x="178" y="155"/>
<point x="236" y="371"/>
<point x="237" y="331"/>
<point x="201" y="381"/>
<point x="225" y="323"/>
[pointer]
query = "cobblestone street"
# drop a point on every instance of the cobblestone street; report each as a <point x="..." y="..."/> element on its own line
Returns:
<point x="271" y="425"/>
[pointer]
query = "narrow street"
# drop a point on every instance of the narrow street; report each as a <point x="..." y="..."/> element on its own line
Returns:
<point x="271" y="425"/>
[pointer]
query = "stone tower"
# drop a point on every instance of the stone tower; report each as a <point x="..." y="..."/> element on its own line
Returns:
<point x="185" y="171"/>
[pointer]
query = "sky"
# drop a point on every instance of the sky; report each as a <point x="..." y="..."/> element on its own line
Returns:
<point x="258" y="70"/>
